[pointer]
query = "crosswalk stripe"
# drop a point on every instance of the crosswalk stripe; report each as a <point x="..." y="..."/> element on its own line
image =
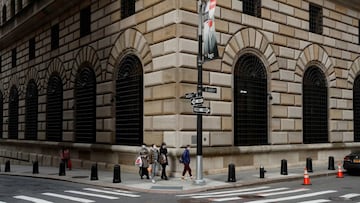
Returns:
<point x="351" y="195"/>
<point x="116" y="190"/>
<point x="240" y="193"/>
<point x="76" y="199"/>
<point x="294" y="197"/>
<point x="223" y="192"/>
<point x="316" y="201"/>
<point x="110" y="192"/>
<point x="2" y="202"/>
<point x="31" y="199"/>
<point x="91" y="194"/>
<point x="225" y="199"/>
<point x="284" y="192"/>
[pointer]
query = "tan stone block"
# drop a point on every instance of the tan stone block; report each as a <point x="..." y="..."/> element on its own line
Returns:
<point x="164" y="7"/>
<point x="220" y="79"/>
<point x="295" y="3"/>
<point x="188" y="46"/>
<point x="287" y="99"/>
<point x="278" y="17"/>
<point x="155" y="23"/>
<point x="153" y="108"/>
<point x="221" y="25"/>
<point x="226" y="94"/>
<point x="294" y="112"/>
<point x="221" y="139"/>
<point x="299" y="13"/>
<point x="169" y="106"/>
<point x="164" y="33"/>
<point x="279" y="86"/>
<point x="213" y="65"/>
<point x="227" y="123"/>
<point x="295" y="138"/>
<point x="275" y="124"/>
<point x="270" y="26"/>
<point x="230" y="15"/>
<point x="287" y="75"/>
<point x="271" y="4"/>
<point x="148" y="123"/>
<point x="165" y="122"/>
<point x="187" y="122"/>
<point x="188" y="5"/>
<point x="167" y="91"/>
<point x="280" y="39"/>
<point x="287" y="124"/>
<point x="212" y="123"/>
<point x="348" y="115"/>
<point x="279" y="138"/>
<point x="153" y="138"/>
<point x="279" y="111"/>
<point x="252" y="21"/>
<point x="335" y="114"/>
<point x="164" y="62"/>
<point x="220" y="108"/>
<point x="286" y="9"/>
<point x="187" y="60"/>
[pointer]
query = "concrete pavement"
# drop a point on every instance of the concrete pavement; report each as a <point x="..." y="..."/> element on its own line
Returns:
<point x="174" y="185"/>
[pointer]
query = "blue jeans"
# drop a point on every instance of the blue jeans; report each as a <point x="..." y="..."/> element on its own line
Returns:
<point x="154" y="168"/>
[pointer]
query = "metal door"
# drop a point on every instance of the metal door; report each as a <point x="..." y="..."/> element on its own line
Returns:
<point x="13" y="113"/>
<point x="31" y="111"/>
<point x="315" y="110"/>
<point x="250" y="102"/>
<point x="85" y="106"/>
<point x="129" y="102"/>
<point x="356" y="106"/>
<point x="54" y="115"/>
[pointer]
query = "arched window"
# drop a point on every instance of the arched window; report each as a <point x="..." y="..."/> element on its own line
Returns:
<point x="31" y="111"/>
<point x="250" y="102"/>
<point x="1" y="114"/>
<point x="12" y="8"/>
<point x="315" y="109"/>
<point x="129" y="102"/>
<point x="4" y="14"/>
<point x="85" y="106"/>
<point x="356" y="107"/>
<point x="54" y="109"/>
<point x="13" y="113"/>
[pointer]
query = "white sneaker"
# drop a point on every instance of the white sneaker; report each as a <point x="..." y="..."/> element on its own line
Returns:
<point x="153" y="181"/>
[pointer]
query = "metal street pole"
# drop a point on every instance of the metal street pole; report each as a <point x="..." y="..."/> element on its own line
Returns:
<point x="199" y="160"/>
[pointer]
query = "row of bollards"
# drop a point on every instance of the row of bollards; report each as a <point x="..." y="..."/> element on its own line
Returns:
<point x="283" y="170"/>
<point x="35" y="167"/>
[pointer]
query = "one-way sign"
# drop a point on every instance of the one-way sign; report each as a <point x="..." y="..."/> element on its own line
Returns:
<point x="197" y="101"/>
<point x="201" y="110"/>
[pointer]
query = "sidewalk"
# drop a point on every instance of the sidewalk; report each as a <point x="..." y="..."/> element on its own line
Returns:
<point x="174" y="185"/>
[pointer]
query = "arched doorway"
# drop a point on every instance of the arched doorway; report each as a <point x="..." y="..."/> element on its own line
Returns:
<point x="54" y="109"/>
<point x="85" y="106"/>
<point x="315" y="106"/>
<point x="129" y="101"/>
<point x="13" y="113"/>
<point x="250" y="102"/>
<point x="31" y="111"/>
<point x="356" y="107"/>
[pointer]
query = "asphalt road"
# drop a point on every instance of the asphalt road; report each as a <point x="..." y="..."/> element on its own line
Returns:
<point x="324" y="189"/>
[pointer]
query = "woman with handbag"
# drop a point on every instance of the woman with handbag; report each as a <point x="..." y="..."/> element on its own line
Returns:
<point x="163" y="160"/>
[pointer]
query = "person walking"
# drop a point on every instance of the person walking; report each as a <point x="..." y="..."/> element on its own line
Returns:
<point x="163" y="160"/>
<point x="143" y="169"/>
<point x="185" y="157"/>
<point x="153" y="161"/>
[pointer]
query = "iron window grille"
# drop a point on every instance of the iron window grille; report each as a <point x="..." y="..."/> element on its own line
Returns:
<point x="13" y="113"/>
<point x="54" y="109"/>
<point x="129" y="102"/>
<point x="85" y="106"/>
<point x="4" y="14"/>
<point x="359" y="31"/>
<point x="31" y="111"/>
<point x="315" y="109"/>
<point x="55" y="37"/>
<point x="252" y="7"/>
<point x="356" y="106"/>
<point x="250" y="102"/>
<point x="127" y="8"/>
<point x="12" y="8"/>
<point x="85" y="21"/>
<point x="316" y="19"/>
<point x="20" y="4"/>
<point x="13" y="58"/>
<point x="31" y="48"/>
<point x="0" y="64"/>
<point x="1" y="114"/>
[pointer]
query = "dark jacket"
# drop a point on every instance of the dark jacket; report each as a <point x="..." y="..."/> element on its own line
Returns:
<point x="153" y="156"/>
<point x="163" y="154"/>
<point x="186" y="156"/>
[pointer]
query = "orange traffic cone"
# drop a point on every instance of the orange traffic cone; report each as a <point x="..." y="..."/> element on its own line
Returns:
<point x="306" y="178"/>
<point x="339" y="173"/>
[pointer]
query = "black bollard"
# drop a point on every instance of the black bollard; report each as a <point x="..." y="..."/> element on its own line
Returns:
<point x="309" y="165"/>
<point x="284" y="170"/>
<point x="35" y="167"/>
<point x="231" y="173"/>
<point x="117" y="174"/>
<point x="62" y="169"/>
<point x="331" y="163"/>
<point x="7" y="166"/>
<point x="262" y="172"/>
<point x="94" y="172"/>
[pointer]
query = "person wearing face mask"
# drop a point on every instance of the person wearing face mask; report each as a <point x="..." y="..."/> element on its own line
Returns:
<point x="163" y="160"/>
<point x="153" y="161"/>
<point x="186" y="161"/>
<point x="143" y="169"/>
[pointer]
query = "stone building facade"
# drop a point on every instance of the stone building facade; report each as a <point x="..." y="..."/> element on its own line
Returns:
<point x="103" y="76"/>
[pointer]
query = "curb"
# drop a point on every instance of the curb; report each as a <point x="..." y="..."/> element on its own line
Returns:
<point x="194" y="190"/>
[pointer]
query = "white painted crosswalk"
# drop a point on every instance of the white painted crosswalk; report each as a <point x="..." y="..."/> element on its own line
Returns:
<point x="84" y="195"/>
<point x="269" y="195"/>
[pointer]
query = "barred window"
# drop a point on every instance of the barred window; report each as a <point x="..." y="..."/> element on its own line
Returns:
<point x="13" y="113"/>
<point x="54" y="108"/>
<point x="4" y="14"/>
<point x="20" y="5"/>
<point x="127" y="8"/>
<point x="1" y="114"/>
<point x="13" y="58"/>
<point x="55" y="37"/>
<point x="356" y="107"/>
<point x="12" y="8"/>
<point x="252" y="7"/>
<point x="31" y="48"/>
<point x="0" y="64"/>
<point x="359" y="32"/>
<point x="316" y="19"/>
<point x="85" y="21"/>
<point x="315" y="106"/>
<point x="31" y="111"/>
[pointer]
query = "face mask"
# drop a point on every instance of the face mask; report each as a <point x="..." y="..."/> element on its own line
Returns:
<point x="164" y="146"/>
